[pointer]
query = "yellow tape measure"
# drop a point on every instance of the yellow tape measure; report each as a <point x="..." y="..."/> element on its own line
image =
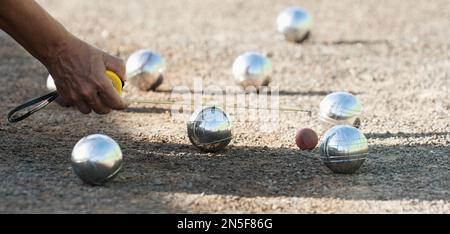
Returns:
<point x="116" y="81"/>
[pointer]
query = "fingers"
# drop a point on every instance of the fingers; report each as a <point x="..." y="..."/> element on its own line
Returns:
<point x="63" y="101"/>
<point x="98" y="106"/>
<point x="115" y="65"/>
<point x="110" y="97"/>
<point x="90" y="96"/>
<point x="83" y="107"/>
<point x="85" y="101"/>
<point x="99" y="96"/>
<point x="76" y="100"/>
<point x="94" y="103"/>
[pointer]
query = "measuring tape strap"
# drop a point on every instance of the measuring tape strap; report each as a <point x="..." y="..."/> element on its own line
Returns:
<point x="41" y="103"/>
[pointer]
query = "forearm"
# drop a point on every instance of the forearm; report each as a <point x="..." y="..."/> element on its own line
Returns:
<point x="30" y="25"/>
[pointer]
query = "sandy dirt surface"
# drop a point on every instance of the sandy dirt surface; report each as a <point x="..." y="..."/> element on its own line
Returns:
<point x="394" y="55"/>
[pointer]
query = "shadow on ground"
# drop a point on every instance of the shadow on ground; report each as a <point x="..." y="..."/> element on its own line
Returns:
<point x="36" y="174"/>
<point x="391" y="173"/>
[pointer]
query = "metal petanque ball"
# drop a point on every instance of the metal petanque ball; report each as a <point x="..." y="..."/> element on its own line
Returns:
<point x="96" y="159"/>
<point x="343" y="149"/>
<point x="294" y="23"/>
<point x="50" y="83"/>
<point x="252" y="69"/>
<point x="145" y="69"/>
<point x="340" y="108"/>
<point x="209" y="129"/>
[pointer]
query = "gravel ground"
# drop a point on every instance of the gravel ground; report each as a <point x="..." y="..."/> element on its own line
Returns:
<point x="394" y="55"/>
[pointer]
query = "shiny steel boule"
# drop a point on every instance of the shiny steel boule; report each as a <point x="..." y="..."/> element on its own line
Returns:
<point x="209" y="129"/>
<point x="252" y="70"/>
<point x="343" y="149"/>
<point x="145" y="70"/>
<point x="50" y="83"/>
<point x="340" y="108"/>
<point x="96" y="159"/>
<point x="294" y="23"/>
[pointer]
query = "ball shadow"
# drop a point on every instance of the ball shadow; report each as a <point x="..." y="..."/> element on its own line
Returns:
<point x="387" y="174"/>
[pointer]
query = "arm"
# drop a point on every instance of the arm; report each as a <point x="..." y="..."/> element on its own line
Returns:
<point x="77" y="67"/>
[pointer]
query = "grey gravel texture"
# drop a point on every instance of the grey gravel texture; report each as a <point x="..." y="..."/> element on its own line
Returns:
<point x="393" y="54"/>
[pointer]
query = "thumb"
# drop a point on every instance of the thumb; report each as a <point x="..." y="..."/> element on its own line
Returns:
<point x="115" y="65"/>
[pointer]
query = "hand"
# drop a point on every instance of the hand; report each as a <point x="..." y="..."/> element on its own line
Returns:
<point x="78" y="70"/>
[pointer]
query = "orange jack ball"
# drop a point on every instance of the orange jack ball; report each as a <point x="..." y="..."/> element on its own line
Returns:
<point x="306" y="139"/>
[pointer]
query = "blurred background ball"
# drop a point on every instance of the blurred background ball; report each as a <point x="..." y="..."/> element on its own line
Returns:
<point x="306" y="139"/>
<point x="50" y="83"/>
<point x="96" y="159"/>
<point x="145" y="70"/>
<point x="294" y="23"/>
<point x="252" y="69"/>
<point x="340" y="108"/>
<point x="343" y="149"/>
<point x="209" y="129"/>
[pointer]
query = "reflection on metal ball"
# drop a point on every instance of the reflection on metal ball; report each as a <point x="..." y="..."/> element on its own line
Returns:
<point x="96" y="159"/>
<point x="209" y="129"/>
<point x="145" y="70"/>
<point x="252" y="70"/>
<point x="50" y="83"/>
<point x="340" y="108"/>
<point x="294" y="23"/>
<point x="343" y="149"/>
